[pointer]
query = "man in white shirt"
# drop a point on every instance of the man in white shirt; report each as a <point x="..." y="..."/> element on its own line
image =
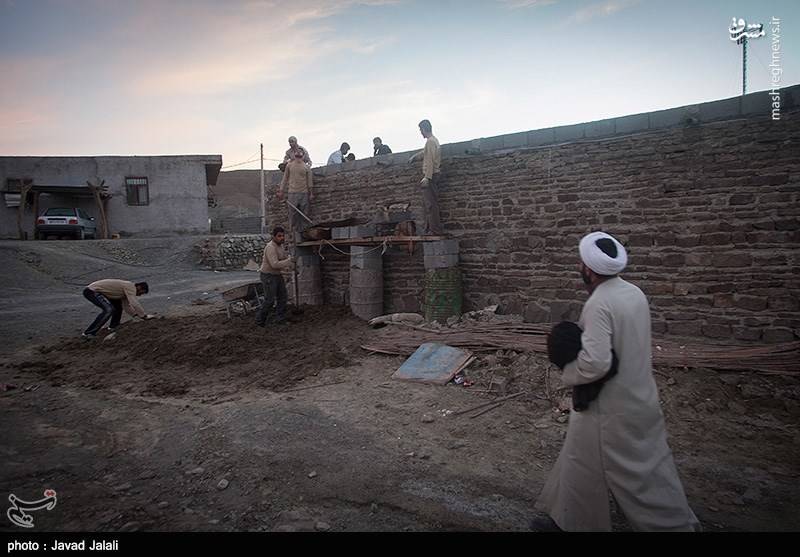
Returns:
<point x="337" y="157"/>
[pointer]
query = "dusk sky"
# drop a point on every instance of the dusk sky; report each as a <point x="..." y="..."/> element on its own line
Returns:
<point x="107" y="77"/>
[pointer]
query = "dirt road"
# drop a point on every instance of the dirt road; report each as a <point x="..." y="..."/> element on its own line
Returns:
<point x="42" y="283"/>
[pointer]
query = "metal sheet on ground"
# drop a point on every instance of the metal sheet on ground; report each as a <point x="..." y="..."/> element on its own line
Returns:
<point x="433" y="363"/>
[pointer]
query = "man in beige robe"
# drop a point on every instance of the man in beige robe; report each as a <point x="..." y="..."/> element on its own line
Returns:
<point x="619" y="443"/>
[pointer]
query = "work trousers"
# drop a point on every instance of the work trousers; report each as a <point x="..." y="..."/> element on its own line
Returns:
<point x="296" y="222"/>
<point x="112" y="309"/>
<point x="274" y="293"/>
<point x="430" y="204"/>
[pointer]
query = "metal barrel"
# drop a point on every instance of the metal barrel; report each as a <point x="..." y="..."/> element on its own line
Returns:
<point x="366" y="291"/>
<point x="309" y="280"/>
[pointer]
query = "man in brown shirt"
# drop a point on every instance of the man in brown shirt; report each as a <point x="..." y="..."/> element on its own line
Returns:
<point x="297" y="183"/>
<point x="430" y="183"/>
<point x="273" y="263"/>
<point x="112" y="296"/>
<point x="293" y="149"/>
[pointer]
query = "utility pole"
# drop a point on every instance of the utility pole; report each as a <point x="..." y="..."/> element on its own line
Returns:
<point x="263" y="200"/>
<point x="740" y="31"/>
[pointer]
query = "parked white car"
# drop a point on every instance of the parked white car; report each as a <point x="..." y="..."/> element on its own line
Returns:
<point x="60" y="221"/>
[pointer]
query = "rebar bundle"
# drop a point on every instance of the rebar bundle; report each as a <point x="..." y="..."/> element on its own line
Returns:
<point x="780" y="359"/>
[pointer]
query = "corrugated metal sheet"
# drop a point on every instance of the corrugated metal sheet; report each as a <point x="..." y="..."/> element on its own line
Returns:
<point x="433" y="363"/>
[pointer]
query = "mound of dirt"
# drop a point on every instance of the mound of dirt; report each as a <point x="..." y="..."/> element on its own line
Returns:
<point x="206" y="355"/>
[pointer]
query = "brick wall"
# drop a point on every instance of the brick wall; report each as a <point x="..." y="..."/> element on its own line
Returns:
<point x="704" y="198"/>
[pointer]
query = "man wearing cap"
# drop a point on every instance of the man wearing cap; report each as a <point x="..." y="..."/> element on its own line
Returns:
<point x="619" y="443"/>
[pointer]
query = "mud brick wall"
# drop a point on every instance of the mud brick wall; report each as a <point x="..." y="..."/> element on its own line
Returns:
<point x="705" y="198"/>
<point x="230" y="252"/>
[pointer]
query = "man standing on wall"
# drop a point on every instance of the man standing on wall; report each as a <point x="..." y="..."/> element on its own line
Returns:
<point x="619" y="443"/>
<point x="430" y="183"/>
<point x="112" y="296"/>
<point x="298" y="179"/>
<point x="273" y="262"/>
<point x="293" y="149"/>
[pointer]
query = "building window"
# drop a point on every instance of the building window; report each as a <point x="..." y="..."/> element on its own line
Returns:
<point x="14" y="185"/>
<point x="137" y="191"/>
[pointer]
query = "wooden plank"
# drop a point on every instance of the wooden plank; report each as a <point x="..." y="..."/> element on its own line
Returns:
<point x="489" y="403"/>
<point x="487" y="409"/>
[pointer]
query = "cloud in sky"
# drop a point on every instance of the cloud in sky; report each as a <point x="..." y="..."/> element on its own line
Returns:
<point x="527" y="3"/>
<point x="314" y="9"/>
<point x="588" y="12"/>
<point x="601" y="9"/>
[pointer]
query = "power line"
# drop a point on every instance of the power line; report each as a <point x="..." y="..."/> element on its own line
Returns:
<point x="251" y="158"/>
<point x="239" y="164"/>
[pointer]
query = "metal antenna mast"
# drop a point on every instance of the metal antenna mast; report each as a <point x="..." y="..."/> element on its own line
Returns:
<point x="740" y="31"/>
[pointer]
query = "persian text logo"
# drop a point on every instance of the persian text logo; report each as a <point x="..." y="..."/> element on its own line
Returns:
<point x="16" y="512"/>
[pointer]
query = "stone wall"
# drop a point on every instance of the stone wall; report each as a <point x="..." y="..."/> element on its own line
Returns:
<point x="230" y="252"/>
<point x="705" y="199"/>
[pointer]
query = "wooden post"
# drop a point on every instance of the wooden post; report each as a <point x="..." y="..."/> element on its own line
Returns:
<point x="23" y="197"/>
<point x="105" y="229"/>
<point x="35" y="211"/>
<point x="96" y="190"/>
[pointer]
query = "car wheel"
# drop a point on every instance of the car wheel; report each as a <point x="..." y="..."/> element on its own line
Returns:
<point x="81" y="235"/>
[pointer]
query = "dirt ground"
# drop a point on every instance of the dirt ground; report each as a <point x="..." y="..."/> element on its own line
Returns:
<point x="197" y="422"/>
